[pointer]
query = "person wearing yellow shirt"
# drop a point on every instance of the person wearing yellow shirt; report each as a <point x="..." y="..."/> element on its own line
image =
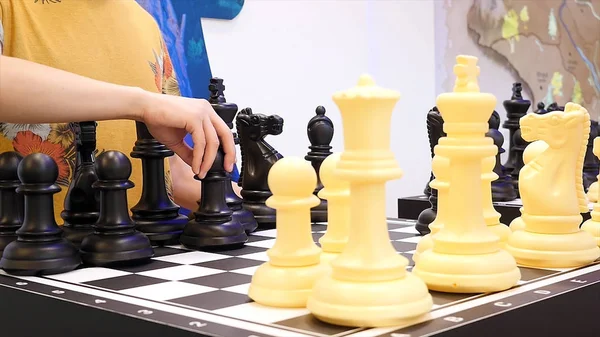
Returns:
<point x="101" y="60"/>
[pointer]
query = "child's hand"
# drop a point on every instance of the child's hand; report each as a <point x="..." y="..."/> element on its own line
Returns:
<point x="170" y="118"/>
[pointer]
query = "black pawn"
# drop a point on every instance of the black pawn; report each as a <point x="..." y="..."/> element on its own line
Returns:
<point x="502" y="188"/>
<point x="40" y="248"/>
<point x="155" y="214"/>
<point x="320" y="133"/>
<point x="435" y="130"/>
<point x="516" y="108"/>
<point x="213" y="226"/>
<point x="115" y="239"/>
<point x="11" y="202"/>
<point x="227" y="112"/>
<point x="591" y="165"/>
<point x="541" y="109"/>
<point x="555" y="107"/>
<point x="82" y="205"/>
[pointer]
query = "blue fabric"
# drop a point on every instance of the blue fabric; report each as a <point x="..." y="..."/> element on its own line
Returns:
<point x="181" y="26"/>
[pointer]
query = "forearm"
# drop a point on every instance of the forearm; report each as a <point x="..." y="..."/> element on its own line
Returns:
<point x="34" y="93"/>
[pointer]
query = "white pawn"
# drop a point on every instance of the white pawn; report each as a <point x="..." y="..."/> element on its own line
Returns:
<point x="294" y="265"/>
<point x="337" y="193"/>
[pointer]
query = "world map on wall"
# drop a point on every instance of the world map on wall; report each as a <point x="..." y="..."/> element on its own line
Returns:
<point x="552" y="46"/>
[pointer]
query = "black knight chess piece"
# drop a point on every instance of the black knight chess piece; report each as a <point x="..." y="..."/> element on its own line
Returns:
<point x="502" y="188"/>
<point x="258" y="157"/>
<point x="320" y="133"/>
<point x="516" y="108"/>
<point x="155" y="214"/>
<point x="11" y="202"/>
<point x="227" y="112"/>
<point x="435" y="131"/>
<point x="115" y="239"/>
<point x="591" y="165"/>
<point x="82" y="206"/>
<point x="40" y="248"/>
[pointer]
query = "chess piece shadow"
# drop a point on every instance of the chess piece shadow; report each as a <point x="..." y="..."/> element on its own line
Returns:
<point x="11" y="202"/>
<point x="115" y="240"/>
<point x="258" y="157"/>
<point x="40" y="248"/>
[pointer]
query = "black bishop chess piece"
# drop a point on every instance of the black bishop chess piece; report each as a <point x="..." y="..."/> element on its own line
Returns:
<point x="40" y="248"/>
<point x="502" y="188"/>
<point x="516" y="108"/>
<point x="155" y="214"/>
<point x="115" y="240"/>
<point x="227" y="112"/>
<point x="591" y="164"/>
<point x="82" y="206"/>
<point x="435" y="131"/>
<point x="258" y="157"/>
<point x="11" y="202"/>
<point x="320" y="134"/>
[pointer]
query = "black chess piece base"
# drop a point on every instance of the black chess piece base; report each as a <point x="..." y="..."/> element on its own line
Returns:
<point x="503" y="190"/>
<point x="318" y="214"/>
<point x="105" y="250"/>
<point x="5" y="239"/>
<point x="23" y="258"/>
<point x="210" y="236"/>
<point x="246" y="219"/>
<point x="254" y="201"/>
<point x="425" y="218"/>
<point x="163" y="231"/>
<point x="76" y="232"/>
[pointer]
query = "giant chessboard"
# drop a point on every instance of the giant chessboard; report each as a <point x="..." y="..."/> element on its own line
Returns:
<point x="193" y="293"/>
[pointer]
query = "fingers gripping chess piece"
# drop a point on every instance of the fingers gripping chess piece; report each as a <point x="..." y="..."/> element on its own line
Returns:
<point x="435" y="130"/>
<point x="320" y="133"/>
<point x="552" y="200"/>
<point x="294" y="265"/>
<point x="11" y="202"/>
<point x="592" y="225"/>
<point x="115" y="239"/>
<point x="81" y="202"/>
<point x="213" y="225"/>
<point x="466" y="256"/>
<point x="40" y="247"/>
<point x="227" y="112"/>
<point x="258" y="157"/>
<point x="369" y="285"/>
<point x="337" y="193"/>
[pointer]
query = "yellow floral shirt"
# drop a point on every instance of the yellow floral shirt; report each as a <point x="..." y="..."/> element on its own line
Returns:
<point x="108" y="40"/>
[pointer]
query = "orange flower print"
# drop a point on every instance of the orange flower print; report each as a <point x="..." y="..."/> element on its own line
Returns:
<point x="164" y="75"/>
<point x="62" y="134"/>
<point x="26" y="142"/>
